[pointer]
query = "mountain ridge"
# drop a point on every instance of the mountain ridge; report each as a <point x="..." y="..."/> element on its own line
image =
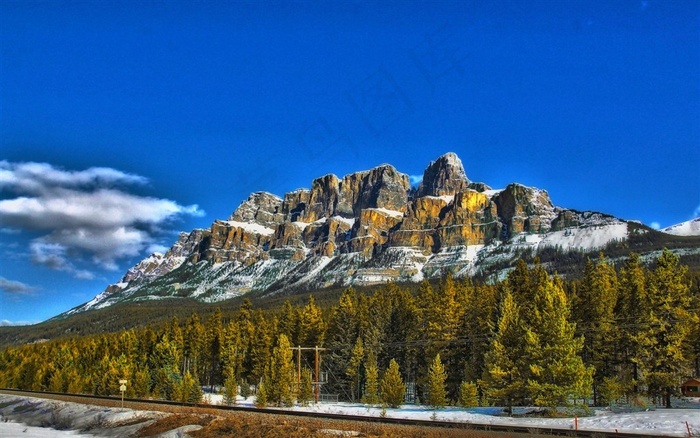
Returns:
<point x="365" y="228"/>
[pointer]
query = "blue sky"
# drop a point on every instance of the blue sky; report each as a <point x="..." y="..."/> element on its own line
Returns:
<point x="122" y="123"/>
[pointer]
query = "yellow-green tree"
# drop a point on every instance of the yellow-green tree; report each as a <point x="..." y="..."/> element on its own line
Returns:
<point x="392" y="390"/>
<point x="437" y="394"/>
<point x="670" y="323"/>
<point x="279" y="380"/>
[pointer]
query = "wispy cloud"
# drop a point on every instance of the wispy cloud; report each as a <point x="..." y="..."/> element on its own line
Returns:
<point x="6" y="323"/>
<point x="15" y="288"/>
<point x="655" y="225"/>
<point x="88" y="212"/>
<point x="696" y="213"/>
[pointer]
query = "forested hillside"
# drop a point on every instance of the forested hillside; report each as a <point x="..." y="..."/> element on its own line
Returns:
<point x="532" y="339"/>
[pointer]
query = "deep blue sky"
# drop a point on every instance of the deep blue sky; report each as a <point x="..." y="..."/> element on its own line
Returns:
<point x="155" y="107"/>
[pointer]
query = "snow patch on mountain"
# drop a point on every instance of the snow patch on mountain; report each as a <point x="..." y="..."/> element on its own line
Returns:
<point x="251" y="227"/>
<point x="687" y="228"/>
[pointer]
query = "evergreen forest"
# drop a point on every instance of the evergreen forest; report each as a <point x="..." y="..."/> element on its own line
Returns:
<point x="617" y="334"/>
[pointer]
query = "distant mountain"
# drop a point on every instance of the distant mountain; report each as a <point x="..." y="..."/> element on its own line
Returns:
<point x="366" y="228"/>
<point x="687" y="228"/>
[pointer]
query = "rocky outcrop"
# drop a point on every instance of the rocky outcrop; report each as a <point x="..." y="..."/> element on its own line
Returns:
<point x="262" y="208"/>
<point x="443" y="177"/>
<point x="367" y="227"/>
<point x="381" y="187"/>
<point x="524" y="209"/>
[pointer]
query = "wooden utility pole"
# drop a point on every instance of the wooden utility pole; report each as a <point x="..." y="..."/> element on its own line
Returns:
<point x="318" y="379"/>
<point x="317" y="368"/>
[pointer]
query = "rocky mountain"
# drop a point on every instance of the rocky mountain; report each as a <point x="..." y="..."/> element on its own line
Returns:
<point x="364" y="228"/>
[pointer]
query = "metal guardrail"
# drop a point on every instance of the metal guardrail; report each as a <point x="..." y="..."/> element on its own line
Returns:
<point x="386" y="420"/>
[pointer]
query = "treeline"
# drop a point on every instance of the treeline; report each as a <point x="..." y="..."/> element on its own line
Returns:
<point x="532" y="339"/>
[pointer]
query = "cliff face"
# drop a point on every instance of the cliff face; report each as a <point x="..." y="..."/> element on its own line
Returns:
<point x="365" y="228"/>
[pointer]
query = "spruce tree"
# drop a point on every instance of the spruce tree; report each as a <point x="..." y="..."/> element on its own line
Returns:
<point x="312" y="327"/>
<point x="670" y="323"/>
<point x="437" y="394"/>
<point x="371" y="392"/>
<point x="468" y="396"/>
<point x="557" y="373"/>
<point x="353" y="369"/>
<point x="597" y="300"/>
<point x="279" y="379"/>
<point x="631" y="318"/>
<point x="504" y="379"/>
<point x="341" y="337"/>
<point x="306" y="390"/>
<point x="392" y="389"/>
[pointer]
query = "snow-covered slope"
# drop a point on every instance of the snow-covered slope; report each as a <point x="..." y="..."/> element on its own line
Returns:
<point x="687" y="228"/>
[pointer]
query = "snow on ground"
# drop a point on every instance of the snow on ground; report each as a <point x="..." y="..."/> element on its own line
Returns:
<point x="56" y="417"/>
<point x="11" y="430"/>
<point x="87" y="420"/>
<point x="661" y="421"/>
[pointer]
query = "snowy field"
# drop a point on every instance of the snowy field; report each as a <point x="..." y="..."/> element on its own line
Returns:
<point x="655" y="422"/>
<point x="24" y="416"/>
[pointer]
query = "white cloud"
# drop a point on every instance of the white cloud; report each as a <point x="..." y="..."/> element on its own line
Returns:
<point x="157" y="248"/>
<point x="655" y="225"/>
<point x="6" y="323"/>
<point x="15" y="287"/>
<point x="696" y="213"/>
<point x="82" y="213"/>
<point x="415" y="179"/>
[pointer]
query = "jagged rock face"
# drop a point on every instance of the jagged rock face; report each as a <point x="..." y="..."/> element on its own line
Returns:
<point x="444" y="177"/>
<point x="524" y="209"/>
<point x="469" y="221"/>
<point x="262" y="208"/>
<point x="368" y="227"/>
<point x="323" y="198"/>
<point x="381" y="187"/>
<point x="418" y="227"/>
<point x="159" y="264"/>
<point x="295" y="203"/>
<point x="231" y="241"/>
<point x="372" y="230"/>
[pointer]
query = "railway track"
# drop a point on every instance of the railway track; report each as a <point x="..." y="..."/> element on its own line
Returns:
<point x="505" y="429"/>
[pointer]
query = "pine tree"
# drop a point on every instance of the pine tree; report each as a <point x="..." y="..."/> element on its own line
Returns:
<point x="437" y="394"/>
<point x="230" y="391"/>
<point x="312" y="327"/>
<point x="232" y="353"/>
<point x="279" y="381"/>
<point x="190" y="391"/>
<point x="479" y="319"/>
<point x="213" y="348"/>
<point x="557" y="373"/>
<point x="504" y="379"/>
<point x="371" y="392"/>
<point x="632" y="317"/>
<point x="393" y="389"/>
<point x="353" y="369"/>
<point x="306" y="390"/>
<point x="598" y="297"/>
<point x="260" y="347"/>
<point x="287" y="322"/>
<point x="666" y="349"/>
<point x="342" y="335"/>
<point x="468" y="396"/>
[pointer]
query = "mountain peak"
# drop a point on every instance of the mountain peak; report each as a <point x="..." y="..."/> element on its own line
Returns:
<point x="444" y="177"/>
